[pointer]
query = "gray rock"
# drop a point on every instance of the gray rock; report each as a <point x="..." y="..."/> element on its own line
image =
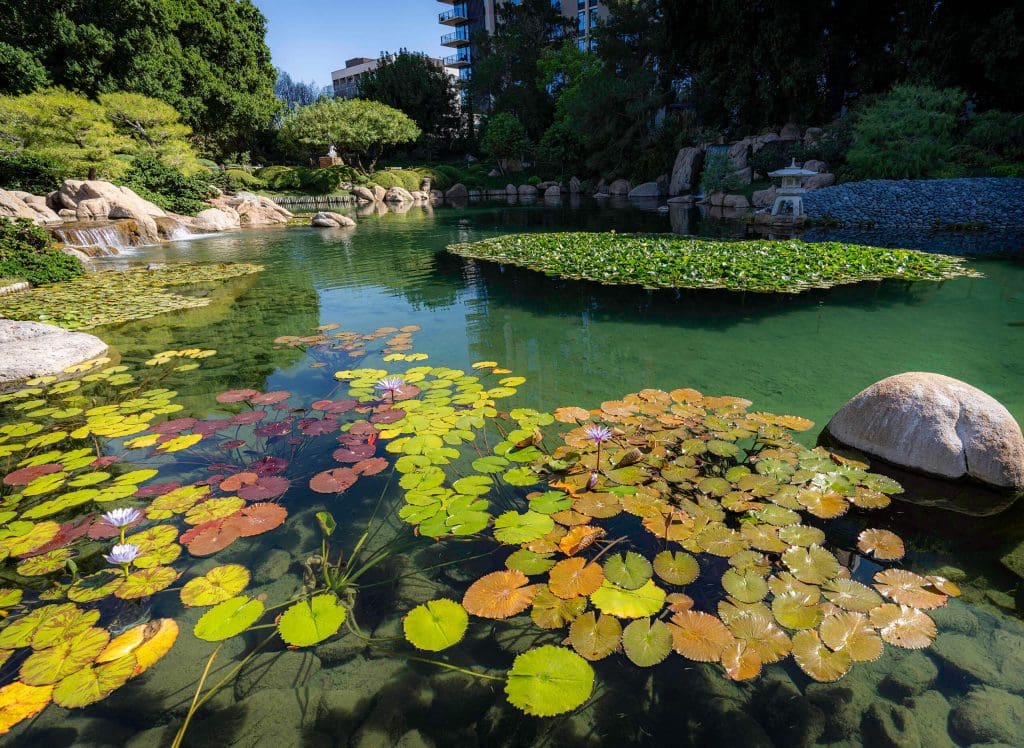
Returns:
<point x="457" y="190"/>
<point x="379" y="193"/>
<point x="216" y="219"/>
<point x="398" y="195"/>
<point x="32" y="349"/>
<point x="988" y="715"/>
<point x="363" y="194"/>
<point x="575" y="186"/>
<point x="92" y="209"/>
<point x="813" y="135"/>
<point x="273" y="565"/>
<point x="553" y="192"/>
<point x="911" y="676"/>
<point x="12" y="206"/>
<point x="815" y="165"/>
<point x="619" y="187"/>
<point x="745" y="175"/>
<point x="791" y="131"/>
<point x="931" y="713"/>
<point x="736" y="202"/>
<point x="965" y="656"/>
<point x="511" y="190"/>
<point x="278" y="671"/>
<point x="888" y="725"/>
<point x="763" y="198"/>
<point x="818" y="181"/>
<point x="330" y="220"/>
<point x="936" y="426"/>
<point x="527" y="190"/>
<point x="647" y="190"/>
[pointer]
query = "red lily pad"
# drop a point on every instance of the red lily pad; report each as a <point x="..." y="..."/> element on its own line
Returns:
<point x="157" y="489"/>
<point x="387" y="415"/>
<point x="317" y="426"/>
<point x="363" y="428"/>
<point x="268" y="466"/>
<point x="206" y="428"/>
<point x="232" y="444"/>
<point x="335" y="406"/>
<point x="209" y="537"/>
<point x="236" y="396"/>
<point x="354" y="453"/>
<point x="102" y="462"/>
<point x="270" y="398"/>
<point x="100" y="529"/>
<point x="269" y="487"/>
<point x="68" y="533"/>
<point x="238" y="480"/>
<point x="277" y="428"/>
<point x="371" y="466"/>
<point x="173" y="427"/>
<point x="248" y="416"/>
<point x="256" y="519"/>
<point x="26" y="475"/>
<point x="335" y="480"/>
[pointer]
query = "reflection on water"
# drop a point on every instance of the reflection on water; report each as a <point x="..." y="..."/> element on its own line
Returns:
<point x="579" y="343"/>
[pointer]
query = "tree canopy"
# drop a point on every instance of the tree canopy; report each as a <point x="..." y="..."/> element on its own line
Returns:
<point x="413" y="84"/>
<point x="206" y="58"/>
<point x="359" y="129"/>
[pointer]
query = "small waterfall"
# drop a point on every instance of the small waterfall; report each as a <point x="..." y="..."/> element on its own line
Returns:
<point x="109" y="239"/>
<point x="172" y="230"/>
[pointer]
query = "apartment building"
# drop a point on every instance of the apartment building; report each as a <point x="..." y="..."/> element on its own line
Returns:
<point x="466" y="18"/>
<point x="345" y="82"/>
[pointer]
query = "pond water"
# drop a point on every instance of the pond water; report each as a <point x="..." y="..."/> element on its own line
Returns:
<point x="579" y="344"/>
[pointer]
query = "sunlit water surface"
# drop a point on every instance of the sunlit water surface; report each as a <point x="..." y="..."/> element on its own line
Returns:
<point x="577" y="343"/>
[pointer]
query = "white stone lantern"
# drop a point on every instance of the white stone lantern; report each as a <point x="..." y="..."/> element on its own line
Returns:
<point x="789" y="195"/>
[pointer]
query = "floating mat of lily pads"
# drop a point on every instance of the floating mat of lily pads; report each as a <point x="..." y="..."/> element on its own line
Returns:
<point x="112" y="297"/>
<point x="670" y="261"/>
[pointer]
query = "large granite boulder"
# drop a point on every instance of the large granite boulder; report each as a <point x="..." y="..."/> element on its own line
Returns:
<point x="32" y="349"/>
<point x="121" y="203"/>
<point x="44" y="214"/>
<point x="813" y="164"/>
<point x="398" y="195"/>
<point x="527" y="190"/>
<point x="457" y="191"/>
<point x="216" y="219"/>
<point x="253" y="210"/>
<point x="645" y="191"/>
<point x="736" y="202"/>
<point x="763" y="198"/>
<point x="685" y="170"/>
<point x="553" y="192"/>
<point x="331" y="220"/>
<point x="949" y="443"/>
<point x="379" y="193"/>
<point x="575" y="186"/>
<point x="92" y="209"/>
<point x="363" y="194"/>
<point x="619" y="187"/>
<point x="12" y="206"/>
<point x="819" y="180"/>
<point x="790" y="131"/>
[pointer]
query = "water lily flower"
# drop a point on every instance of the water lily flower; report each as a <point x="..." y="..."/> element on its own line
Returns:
<point x="598" y="434"/>
<point x="389" y="385"/>
<point x="123" y="553"/>
<point x="121" y="517"/>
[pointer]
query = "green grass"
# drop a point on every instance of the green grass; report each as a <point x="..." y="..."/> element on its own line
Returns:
<point x="670" y="261"/>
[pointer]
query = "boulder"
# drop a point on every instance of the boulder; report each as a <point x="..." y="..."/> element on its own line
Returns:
<point x="938" y="428"/>
<point x="457" y="190"/>
<point x="646" y="190"/>
<point x="716" y="198"/>
<point x="738" y="152"/>
<point x="398" y="195"/>
<point x="761" y="140"/>
<point x="763" y="198"/>
<point x="12" y="206"/>
<point x="67" y="214"/>
<point x="329" y="220"/>
<point x="43" y="211"/>
<point x="122" y="202"/>
<point x="379" y="193"/>
<point x="419" y="195"/>
<point x="92" y="209"/>
<point x="216" y="219"/>
<point x="602" y="188"/>
<point x="511" y="190"/>
<point x="32" y="349"/>
<point x="553" y="192"/>
<point x="745" y="175"/>
<point x="575" y="186"/>
<point x="527" y="190"/>
<point x="436" y="195"/>
<point x="812" y="135"/>
<point x="819" y="180"/>
<point x="790" y="132"/>
<point x="685" y="170"/>
<point x="619" y="187"/>
<point x="253" y="210"/>
<point x="988" y="715"/>
<point x="814" y="164"/>
<point x="736" y="202"/>
<point x="543" y="186"/>
<point x="363" y="194"/>
<point x="680" y="200"/>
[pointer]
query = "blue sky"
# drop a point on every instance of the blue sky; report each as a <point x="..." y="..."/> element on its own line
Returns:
<point x="310" y="38"/>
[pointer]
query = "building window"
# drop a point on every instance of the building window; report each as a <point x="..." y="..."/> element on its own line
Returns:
<point x="582" y="25"/>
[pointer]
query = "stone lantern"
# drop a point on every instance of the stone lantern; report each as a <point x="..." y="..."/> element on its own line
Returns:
<point x="789" y="196"/>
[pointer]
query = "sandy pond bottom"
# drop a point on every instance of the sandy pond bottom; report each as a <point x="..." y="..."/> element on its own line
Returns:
<point x="576" y="344"/>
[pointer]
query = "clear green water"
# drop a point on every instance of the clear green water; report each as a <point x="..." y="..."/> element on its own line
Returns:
<point x="579" y="344"/>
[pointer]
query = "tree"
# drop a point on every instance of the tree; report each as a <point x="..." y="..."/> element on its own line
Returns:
<point x="506" y="71"/>
<point x="153" y="127"/>
<point x="359" y="129"/>
<point x="295" y="93"/>
<point x="20" y="72"/>
<point x="58" y="125"/>
<point x="504" y="138"/>
<point x="906" y="134"/>
<point x="207" y="58"/>
<point x="412" y="83"/>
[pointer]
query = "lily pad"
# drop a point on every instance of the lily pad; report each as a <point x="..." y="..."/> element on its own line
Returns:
<point x="228" y="618"/>
<point x="309" y="622"/>
<point x="549" y="680"/>
<point x="436" y="625"/>
<point x="217" y="585"/>
<point x="647" y="642"/>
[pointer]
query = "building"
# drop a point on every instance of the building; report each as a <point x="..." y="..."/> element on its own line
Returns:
<point x="345" y="82"/>
<point x="467" y="18"/>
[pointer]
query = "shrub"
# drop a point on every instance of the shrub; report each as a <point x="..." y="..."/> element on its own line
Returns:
<point x="998" y="136"/>
<point x="211" y="165"/>
<point x="27" y="253"/>
<point x="31" y="173"/>
<point x="167" y="186"/>
<point x="906" y="134"/>
<point x="236" y="180"/>
<point x="718" y="174"/>
<point x="504" y="138"/>
<point x="405" y="178"/>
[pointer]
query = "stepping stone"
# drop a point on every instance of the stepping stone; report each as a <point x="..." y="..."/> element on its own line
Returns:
<point x="32" y="349"/>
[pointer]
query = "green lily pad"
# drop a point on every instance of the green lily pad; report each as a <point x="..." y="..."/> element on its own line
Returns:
<point x="676" y="567"/>
<point x="514" y="528"/>
<point x="436" y="625"/>
<point x="549" y="680"/>
<point x="529" y="562"/>
<point x="311" y="621"/>
<point x="647" y="642"/>
<point x="628" y="570"/>
<point x="228" y="618"/>
<point x="645" y="601"/>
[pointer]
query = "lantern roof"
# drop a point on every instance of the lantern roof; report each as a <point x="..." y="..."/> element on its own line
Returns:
<point x="792" y="171"/>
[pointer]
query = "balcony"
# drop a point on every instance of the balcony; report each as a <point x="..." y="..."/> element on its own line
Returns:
<point x="454" y="17"/>
<point x="461" y="60"/>
<point x="457" y="38"/>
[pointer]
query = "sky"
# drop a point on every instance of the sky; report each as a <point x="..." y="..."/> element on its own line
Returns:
<point x="310" y="38"/>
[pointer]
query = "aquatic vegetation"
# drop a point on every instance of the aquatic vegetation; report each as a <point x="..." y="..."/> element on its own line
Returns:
<point x="106" y="298"/>
<point x="670" y="261"/>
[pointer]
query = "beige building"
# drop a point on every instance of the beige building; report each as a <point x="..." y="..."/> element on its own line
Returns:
<point x="345" y="82"/>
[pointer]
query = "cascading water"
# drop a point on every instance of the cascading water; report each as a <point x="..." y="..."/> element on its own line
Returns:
<point x="111" y="238"/>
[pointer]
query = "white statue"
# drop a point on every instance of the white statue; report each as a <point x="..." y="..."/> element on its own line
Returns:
<point x="332" y="152"/>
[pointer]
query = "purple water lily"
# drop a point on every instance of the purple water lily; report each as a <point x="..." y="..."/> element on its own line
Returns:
<point x="121" y="518"/>
<point x="389" y="385"/>
<point x="599" y="435"/>
<point x="122" y="554"/>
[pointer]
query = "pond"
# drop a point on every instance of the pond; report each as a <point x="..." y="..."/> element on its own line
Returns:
<point x="576" y="344"/>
